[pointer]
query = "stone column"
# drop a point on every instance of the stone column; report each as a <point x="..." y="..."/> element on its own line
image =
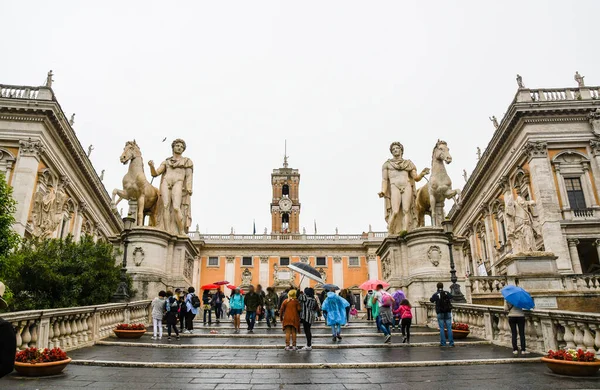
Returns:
<point x="24" y="180"/>
<point x="573" y="242"/>
<point x="230" y="269"/>
<point x="338" y="272"/>
<point x="79" y="220"/>
<point x="586" y="182"/>
<point x="9" y="166"/>
<point x="490" y="238"/>
<point x="306" y="281"/>
<point x="562" y="188"/>
<point x="263" y="271"/>
<point x="595" y="164"/>
<point x="547" y="204"/>
<point x="373" y="267"/>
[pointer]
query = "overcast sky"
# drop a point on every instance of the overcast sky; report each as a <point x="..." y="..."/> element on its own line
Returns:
<point x="340" y="80"/>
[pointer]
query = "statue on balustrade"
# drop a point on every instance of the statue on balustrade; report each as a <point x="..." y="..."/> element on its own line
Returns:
<point x="432" y="196"/>
<point x="519" y="223"/>
<point x="136" y="187"/>
<point x="175" y="189"/>
<point x="399" y="191"/>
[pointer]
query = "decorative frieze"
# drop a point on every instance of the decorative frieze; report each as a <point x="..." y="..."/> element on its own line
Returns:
<point x="535" y="149"/>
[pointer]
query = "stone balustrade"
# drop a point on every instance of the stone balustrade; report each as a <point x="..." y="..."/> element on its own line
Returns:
<point x="217" y="238"/>
<point x="487" y="284"/>
<point x="22" y="92"/>
<point x="558" y="94"/>
<point x="75" y="327"/>
<point x="580" y="283"/>
<point x="544" y="329"/>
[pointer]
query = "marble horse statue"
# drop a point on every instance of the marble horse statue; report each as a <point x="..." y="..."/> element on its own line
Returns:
<point x="136" y="186"/>
<point x="431" y="197"/>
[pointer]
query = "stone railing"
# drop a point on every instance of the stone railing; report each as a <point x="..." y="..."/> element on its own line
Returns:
<point x="580" y="283"/>
<point x="24" y="92"/>
<point x="373" y="236"/>
<point x="75" y="327"/>
<point x="544" y="329"/>
<point x="487" y="284"/>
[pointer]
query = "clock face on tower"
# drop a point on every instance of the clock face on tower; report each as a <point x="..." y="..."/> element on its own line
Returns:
<point x="285" y="204"/>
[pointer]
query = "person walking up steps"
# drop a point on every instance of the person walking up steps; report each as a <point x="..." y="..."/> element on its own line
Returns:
<point x="404" y="311"/>
<point x="368" y="302"/>
<point x="516" y="319"/>
<point x="308" y="314"/>
<point x="252" y="300"/>
<point x="217" y="303"/>
<point x="236" y="306"/>
<point x="386" y="317"/>
<point x="290" y="320"/>
<point x="192" y="303"/>
<point x="335" y="306"/>
<point x="158" y="311"/>
<point x="271" y="301"/>
<point x="172" y="311"/>
<point x="207" y="307"/>
<point x="443" y="308"/>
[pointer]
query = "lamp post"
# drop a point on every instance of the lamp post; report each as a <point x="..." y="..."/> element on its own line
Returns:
<point x="457" y="295"/>
<point x="122" y="294"/>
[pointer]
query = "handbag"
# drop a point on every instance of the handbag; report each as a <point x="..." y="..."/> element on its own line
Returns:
<point x="258" y="310"/>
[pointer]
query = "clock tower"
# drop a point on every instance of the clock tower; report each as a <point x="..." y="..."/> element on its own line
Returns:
<point x="285" y="205"/>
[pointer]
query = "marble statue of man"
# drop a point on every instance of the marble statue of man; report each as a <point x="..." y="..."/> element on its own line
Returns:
<point x="579" y="78"/>
<point x="175" y="189"/>
<point x="399" y="191"/>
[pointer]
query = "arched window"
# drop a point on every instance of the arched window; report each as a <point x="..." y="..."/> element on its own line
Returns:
<point x="285" y="190"/>
<point x="285" y="223"/>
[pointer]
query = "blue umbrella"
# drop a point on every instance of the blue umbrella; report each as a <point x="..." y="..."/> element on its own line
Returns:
<point x="331" y="287"/>
<point x="518" y="297"/>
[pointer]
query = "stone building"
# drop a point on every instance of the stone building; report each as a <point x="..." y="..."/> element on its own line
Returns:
<point x="535" y="189"/>
<point x="57" y="190"/>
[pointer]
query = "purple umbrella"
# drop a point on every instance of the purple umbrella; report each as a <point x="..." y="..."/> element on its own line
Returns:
<point x="398" y="296"/>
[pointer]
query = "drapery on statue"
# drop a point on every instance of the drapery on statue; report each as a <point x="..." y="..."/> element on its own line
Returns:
<point x="136" y="187"/>
<point x="175" y="189"/>
<point x="431" y="197"/>
<point x="398" y="190"/>
<point x="520" y="223"/>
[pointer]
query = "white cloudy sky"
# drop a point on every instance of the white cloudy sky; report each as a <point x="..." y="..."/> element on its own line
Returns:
<point x="339" y="80"/>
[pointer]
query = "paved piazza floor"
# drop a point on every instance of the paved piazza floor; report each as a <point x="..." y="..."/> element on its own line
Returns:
<point x="213" y="361"/>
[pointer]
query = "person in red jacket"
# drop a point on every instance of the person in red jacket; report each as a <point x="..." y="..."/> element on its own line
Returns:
<point x="405" y="313"/>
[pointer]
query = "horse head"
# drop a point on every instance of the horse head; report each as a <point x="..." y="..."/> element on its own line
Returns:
<point x="441" y="152"/>
<point x="130" y="151"/>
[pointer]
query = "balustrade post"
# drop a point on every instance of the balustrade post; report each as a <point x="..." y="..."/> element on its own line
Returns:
<point x="549" y="334"/>
<point x="43" y="336"/>
<point x="488" y="326"/>
<point x="95" y="325"/>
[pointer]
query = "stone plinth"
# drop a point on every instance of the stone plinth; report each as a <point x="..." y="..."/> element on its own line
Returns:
<point x="157" y="260"/>
<point x="416" y="262"/>
<point x="529" y="264"/>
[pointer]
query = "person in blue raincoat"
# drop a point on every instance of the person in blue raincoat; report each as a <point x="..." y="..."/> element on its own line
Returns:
<point x="335" y="306"/>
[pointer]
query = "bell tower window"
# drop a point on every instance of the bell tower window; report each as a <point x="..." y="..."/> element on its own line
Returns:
<point x="285" y="190"/>
<point x="285" y="223"/>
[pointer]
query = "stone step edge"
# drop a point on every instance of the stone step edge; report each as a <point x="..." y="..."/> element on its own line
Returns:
<point x="427" y="363"/>
<point x="278" y="326"/>
<point x="280" y="335"/>
<point x="278" y="346"/>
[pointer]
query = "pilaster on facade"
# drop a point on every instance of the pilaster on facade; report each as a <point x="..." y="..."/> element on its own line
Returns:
<point x="536" y="149"/>
<point x="575" y="261"/>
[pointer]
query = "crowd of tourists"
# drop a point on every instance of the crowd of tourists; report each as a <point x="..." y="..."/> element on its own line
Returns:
<point x="298" y="310"/>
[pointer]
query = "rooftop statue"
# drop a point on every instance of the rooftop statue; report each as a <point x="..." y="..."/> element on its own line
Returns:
<point x="399" y="191"/>
<point x="520" y="81"/>
<point x="175" y="189"/>
<point x="579" y="78"/>
<point x="136" y="186"/>
<point x="432" y="196"/>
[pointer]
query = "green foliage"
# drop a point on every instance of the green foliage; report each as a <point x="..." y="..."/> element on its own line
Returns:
<point x="55" y="273"/>
<point x="8" y="238"/>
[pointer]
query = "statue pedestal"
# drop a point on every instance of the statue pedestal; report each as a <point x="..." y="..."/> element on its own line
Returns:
<point x="528" y="264"/>
<point x="157" y="260"/>
<point x="416" y="262"/>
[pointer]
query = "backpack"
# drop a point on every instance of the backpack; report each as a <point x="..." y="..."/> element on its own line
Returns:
<point x="172" y="307"/>
<point x="387" y="300"/>
<point x="445" y="306"/>
<point x="195" y="301"/>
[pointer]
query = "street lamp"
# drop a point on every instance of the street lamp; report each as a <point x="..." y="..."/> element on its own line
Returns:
<point x="122" y="295"/>
<point x="457" y="295"/>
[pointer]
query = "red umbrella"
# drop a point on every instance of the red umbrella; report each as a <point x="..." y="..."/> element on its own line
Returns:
<point x="209" y="287"/>
<point x="231" y="287"/>
<point x="221" y="283"/>
<point x="372" y="284"/>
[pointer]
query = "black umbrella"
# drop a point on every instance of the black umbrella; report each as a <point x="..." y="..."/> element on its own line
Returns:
<point x="306" y="270"/>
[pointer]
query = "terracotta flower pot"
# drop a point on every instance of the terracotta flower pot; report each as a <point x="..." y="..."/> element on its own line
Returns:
<point x="458" y="334"/>
<point x="129" y="334"/>
<point x="41" y="369"/>
<point x="565" y="367"/>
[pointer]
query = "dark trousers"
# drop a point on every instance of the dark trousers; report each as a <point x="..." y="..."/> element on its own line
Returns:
<point x="209" y="311"/>
<point x="369" y="314"/>
<point x="519" y="322"/>
<point x="218" y="311"/>
<point x="308" y="333"/>
<point x="174" y="327"/>
<point x="250" y="319"/>
<point x="348" y="314"/>
<point x="405" y="323"/>
<point x="182" y="320"/>
<point x="189" y="320"/>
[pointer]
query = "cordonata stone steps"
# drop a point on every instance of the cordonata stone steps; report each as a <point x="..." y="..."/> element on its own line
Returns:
<point x="258" y="361"/>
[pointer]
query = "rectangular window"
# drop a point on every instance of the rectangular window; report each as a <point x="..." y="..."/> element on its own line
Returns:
<point x="353" y="262"/>
<point x="246" y="261"/>
<point x="284" y="261"/>
<point x="321" y="262"/>
<point x="575" y="193"/>
<point x="213" y="261"/>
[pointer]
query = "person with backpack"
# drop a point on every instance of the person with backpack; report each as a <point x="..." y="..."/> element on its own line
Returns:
<point x="236" y="306"/>
<point x="368" y="302"/>
<point x="182" y="307"/>
<point x="308" y="314"/>
<point x="386" y="317"/>
<point x="404" y="311"/>
<point x="172" y="311"/>
<point x="217" y="303"/>
<point x="158" y="311"/>
<point x="271" y="301"/>
<point x="443" y="308"/>
<point x="192" y="303"/>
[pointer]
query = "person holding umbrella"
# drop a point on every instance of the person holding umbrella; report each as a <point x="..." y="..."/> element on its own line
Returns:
<point x="515" y="300"/>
